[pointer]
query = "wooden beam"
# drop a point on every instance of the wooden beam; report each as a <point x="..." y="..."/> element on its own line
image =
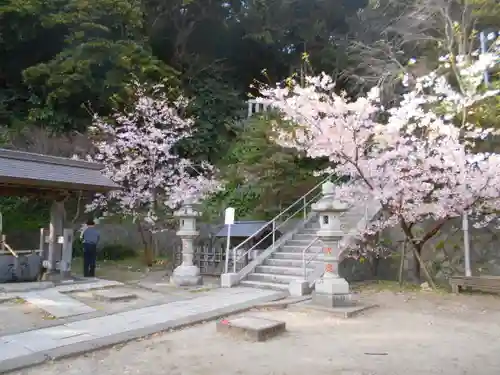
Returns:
<point x="23" y="191"/>
<point x="18" y="191"/>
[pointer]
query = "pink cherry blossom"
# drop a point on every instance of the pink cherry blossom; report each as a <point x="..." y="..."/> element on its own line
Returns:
<point x="137" y="150"/>
<point x="418" y="163"/>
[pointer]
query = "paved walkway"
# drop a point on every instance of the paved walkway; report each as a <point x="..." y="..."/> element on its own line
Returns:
<point x="56" y="304"/>
<point x="36" y="346"/>
<point x="53" y="299"/>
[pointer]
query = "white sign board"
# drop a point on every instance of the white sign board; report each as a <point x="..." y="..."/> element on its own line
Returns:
<point x="228" y="220"/>
<point x="229" y="216"/>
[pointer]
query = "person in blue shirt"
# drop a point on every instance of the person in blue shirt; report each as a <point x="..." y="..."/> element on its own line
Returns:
<point x="90" y="238"/>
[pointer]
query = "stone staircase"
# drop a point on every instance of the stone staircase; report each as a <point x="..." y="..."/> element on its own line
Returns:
<point x="285" y="263"/>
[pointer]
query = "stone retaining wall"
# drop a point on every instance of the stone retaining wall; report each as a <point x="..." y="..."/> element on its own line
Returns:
<point x="443" y="254"/>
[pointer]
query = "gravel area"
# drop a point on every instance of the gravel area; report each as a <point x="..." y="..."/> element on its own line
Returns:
<point x="410" y="334"/>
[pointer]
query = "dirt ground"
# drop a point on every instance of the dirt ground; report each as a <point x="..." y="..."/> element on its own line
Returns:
<point x="410" y="334"/>
<point x="20" y="313"/>
<point x="124" y="270"/>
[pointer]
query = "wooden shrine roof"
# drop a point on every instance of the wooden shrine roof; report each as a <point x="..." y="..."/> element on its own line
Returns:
<point x="24" y="173"/>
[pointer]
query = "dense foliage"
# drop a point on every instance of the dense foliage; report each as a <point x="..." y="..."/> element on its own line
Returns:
<point x="65" y="61"/>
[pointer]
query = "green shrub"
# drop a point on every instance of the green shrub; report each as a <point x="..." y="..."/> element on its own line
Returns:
<point x="115" y="252"/>
<point x="107" y="252"/>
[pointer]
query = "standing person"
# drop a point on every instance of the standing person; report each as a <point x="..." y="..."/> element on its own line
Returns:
<point x="90" y="238"/>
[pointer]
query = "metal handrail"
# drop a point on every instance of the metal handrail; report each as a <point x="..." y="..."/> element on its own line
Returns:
<point x="302" y="208"/>
<point x="304" y="263"/>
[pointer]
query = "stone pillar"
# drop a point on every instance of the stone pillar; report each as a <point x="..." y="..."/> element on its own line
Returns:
<point x="55" y="232"/>
<point x="331" y="290"/>
<point x="187" y="274"/>
<point x="67" y="253"/>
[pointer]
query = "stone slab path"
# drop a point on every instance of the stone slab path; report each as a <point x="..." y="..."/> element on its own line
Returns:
<point x="36" y="346"/>
<point x="52" y="299"/>
<point x="56" y="304"/>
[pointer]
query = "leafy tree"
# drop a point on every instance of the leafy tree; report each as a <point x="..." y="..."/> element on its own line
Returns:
<point x="138" y="152"/>
<point x="84" y="54"/>
<point x="420" y="165"/>
<point x="261" y="178"/>
<point x="216" y="107"/>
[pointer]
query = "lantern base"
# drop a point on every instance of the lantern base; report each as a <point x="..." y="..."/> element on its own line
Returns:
<point x="332" y="292"/>
<point x="332" y="300"/>
<point x="332" y="285"/>
<point x="186" y="276"/>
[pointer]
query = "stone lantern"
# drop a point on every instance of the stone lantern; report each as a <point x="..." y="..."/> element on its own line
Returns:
<point x="331" y="290"/>
<point x="187" y="274"/>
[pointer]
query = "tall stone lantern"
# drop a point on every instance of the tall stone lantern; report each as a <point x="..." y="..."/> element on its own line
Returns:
<point x="187" y="274"/>
<point x="331" y="290"/>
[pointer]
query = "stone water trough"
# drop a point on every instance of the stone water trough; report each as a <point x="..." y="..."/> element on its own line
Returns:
<point x="25" y="267"/>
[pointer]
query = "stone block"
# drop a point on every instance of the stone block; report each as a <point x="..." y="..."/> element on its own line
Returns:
<point x="110" y="295"/>
<point x="186" y="276"/>
<point x="332" y="300"/>
<point x="298" y="288"/>
<point x="332" y="286"/>
<point x="227" y="280"/>
<point x="56" y="304"/>
<point x="26" y="286"/>
<point x="24" y="268"/>
<point x="251" y="328"/>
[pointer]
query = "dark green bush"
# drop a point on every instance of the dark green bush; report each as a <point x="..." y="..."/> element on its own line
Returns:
<point x="115" y="252"/>
<point x="106" y="252"/>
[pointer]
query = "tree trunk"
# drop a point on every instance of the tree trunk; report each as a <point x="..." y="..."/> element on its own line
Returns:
<point x="374" y="264"/>
<point x="422" y="265"/>
<point x="402" y="263"/>
<point x="416" y="271"/>
<point x="148" y="257"/>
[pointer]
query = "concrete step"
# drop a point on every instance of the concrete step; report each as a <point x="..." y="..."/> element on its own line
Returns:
<point x="300" y="248"/>
<point x="263" y="285"/>
<point x="287" y="262"/>
<point x="280" y="270"/>
<point x="309" y="230"/>
<point x="303" y="242"/>
<point x="304" y="236"/>
<point x="271" y="278"/>
<point x="292" y="255"/>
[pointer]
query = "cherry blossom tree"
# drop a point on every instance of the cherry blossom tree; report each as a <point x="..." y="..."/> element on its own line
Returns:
<point x="137" y="149"/>
<point x="416" y="159"/>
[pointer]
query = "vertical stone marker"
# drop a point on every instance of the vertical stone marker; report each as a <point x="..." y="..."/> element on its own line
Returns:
<point x="332" y="291"/>
<point x="187" y="274"/>
<point x="67" y="253"/>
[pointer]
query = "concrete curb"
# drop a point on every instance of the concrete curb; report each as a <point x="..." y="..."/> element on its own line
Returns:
<point x="38" y="358"/>
<point x="77" y="318"/>
<point x="338" y="312"/>
<point x="282" y="304"/>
